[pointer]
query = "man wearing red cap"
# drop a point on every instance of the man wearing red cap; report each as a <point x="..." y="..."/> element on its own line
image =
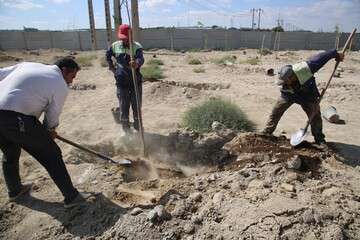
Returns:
<point x="120" y="50"/>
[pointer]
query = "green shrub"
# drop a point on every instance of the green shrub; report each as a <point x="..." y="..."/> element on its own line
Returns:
<point x="86" y="60"/>
<point x="251" y="61"/>
<point x="194" y="61"/>
<point x="155" y="62"/>
<point x="198" y="70"/>
<point x="151" y="71"/>
<point x="226" y="60"/>
<point x="264" y="51"/>
<point x="200" y="118"/>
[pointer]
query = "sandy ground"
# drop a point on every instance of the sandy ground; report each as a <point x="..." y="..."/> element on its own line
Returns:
<point x="87" y="119"/>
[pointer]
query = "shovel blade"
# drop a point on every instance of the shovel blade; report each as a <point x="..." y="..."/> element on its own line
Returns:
<point x="123" y="161"/>
<point x="298" y="137"/>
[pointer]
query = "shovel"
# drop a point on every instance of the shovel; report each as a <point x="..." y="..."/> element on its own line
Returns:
<point x="102" y="156"/>
<point x="300" y="135"/>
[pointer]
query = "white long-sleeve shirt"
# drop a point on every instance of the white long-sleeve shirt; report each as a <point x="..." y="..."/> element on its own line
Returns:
<point x="33" y="89"/>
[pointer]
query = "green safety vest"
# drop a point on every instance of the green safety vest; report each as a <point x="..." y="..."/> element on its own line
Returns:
<point x="118" y="48"/>
<point x="302" y="72"/>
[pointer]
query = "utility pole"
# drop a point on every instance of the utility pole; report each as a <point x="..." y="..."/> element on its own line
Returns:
<point x="135" y="19"/>
<point x="117" y="15"/>
<point x="92" y="25"/>
<point x="260" y="10"/>
<point x="108" y="22"/>
<point x="252" y="21"/>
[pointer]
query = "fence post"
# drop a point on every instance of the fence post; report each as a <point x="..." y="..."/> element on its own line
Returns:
<point x="80" y="45"/>
<point x="25" y="41"/>
<point x="206" y="38"/>
<point x="171" y="32"/>
<point x="51" y="40"/>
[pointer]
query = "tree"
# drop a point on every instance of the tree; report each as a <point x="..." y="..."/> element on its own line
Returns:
<point x="277" y="29"/>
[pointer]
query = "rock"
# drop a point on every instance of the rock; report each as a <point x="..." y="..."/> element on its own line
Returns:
<point x="212" y="177"/>
<point x="162" y="213"/>
<point x="216" y="126"/>
<point x="308" y="216"/>
<point x="331" y="191"/>
<point x="256" y="183"/>
<point x="337" y="74"/>
<point x="152" y="216"/>
<point x="219" y="237"/>
<point x="136" y="211"/>
<point x="218" y="198"/>
<point x="294" y="163"/>
<point x="180" y="209"/>
<point x="287" y="187"/>
<point x="334" y="232"/>
<point x="189" y="228"/>
<point x="195" y="197"/>
<point x="198" y="185"/>
<point x="291" y="176"/>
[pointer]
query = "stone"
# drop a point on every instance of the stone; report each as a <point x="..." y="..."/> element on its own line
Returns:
<point x="189" y="228"/>
<point x="136" y="211"/>
<point x="195" y="197"/>
<point x="291" y="176"/>
<point x="218" y="198"/>
<point x="308" y="216"/>
<point x="256" y="183"/>
<point x="331" y="191"/>
<point x="212" y="177"/>
<point x="334" y="232"/>
<point x="295" y="163"/>
<point x="216" y="126"/>
<point x="162" y="213"/>
<point x="287" y="187"/>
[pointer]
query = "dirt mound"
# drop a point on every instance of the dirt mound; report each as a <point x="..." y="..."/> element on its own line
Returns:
<point x="263" y="189"/>
<point x="8" y="58"/>
<point x="256" y="196"/>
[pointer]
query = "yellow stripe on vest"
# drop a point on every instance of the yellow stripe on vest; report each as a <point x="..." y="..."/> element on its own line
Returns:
<point x="302" y="72"/>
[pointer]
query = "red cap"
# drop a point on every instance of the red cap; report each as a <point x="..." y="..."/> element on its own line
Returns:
<point x="123" y="32"/>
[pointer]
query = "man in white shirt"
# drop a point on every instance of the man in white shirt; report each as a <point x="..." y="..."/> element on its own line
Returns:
<point x="28" y="90"/>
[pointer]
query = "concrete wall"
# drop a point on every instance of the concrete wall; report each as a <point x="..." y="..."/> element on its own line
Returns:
<point x="175" y="39"/>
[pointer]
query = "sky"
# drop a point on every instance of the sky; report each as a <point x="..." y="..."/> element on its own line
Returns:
<point x="314" y="15"/>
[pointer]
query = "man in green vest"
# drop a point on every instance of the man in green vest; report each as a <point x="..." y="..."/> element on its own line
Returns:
<point x="297" y="85"/>
<point x="120" y="50"/>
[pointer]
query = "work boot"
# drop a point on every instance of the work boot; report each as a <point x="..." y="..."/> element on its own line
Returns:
<point x="321" y="144"/>
<point x="79" y="200"/>
<point x="116" y="114"/>
<point x="136" y="125"/>
<point x="125" y="126"/>
<point x="24" y="189"/>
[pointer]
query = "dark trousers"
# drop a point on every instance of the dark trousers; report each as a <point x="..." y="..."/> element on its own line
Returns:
<point x="20" y="131"/>
<point x="127" y="97"/>
<point x="282" y="105"/>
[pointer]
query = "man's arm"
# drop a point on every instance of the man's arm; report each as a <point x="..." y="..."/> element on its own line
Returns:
<point x="4" y="72"/>
<point x="109" y="54"/>
<point x="53" y="110"/>
<point x="139" y="57"/>
<point x="317" y="61"/>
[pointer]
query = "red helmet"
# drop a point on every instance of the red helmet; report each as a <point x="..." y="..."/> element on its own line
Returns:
<point x="123" y="32"/>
